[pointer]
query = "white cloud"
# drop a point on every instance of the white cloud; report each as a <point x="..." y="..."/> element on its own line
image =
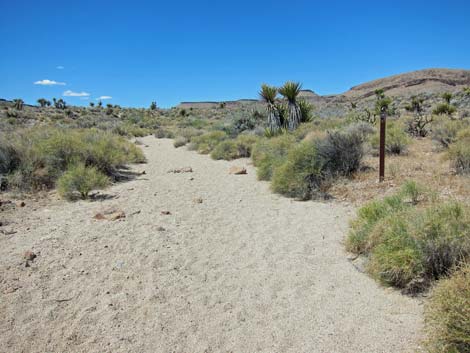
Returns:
<point x="49" y="83"/>
<point x="103" y="98"/>
<point x="70" y="93"/>
<point x="84" y="98"/>
<point x="60" y="67"/>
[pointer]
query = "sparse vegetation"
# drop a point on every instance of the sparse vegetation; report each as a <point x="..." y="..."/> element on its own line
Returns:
<point x="396" y="140"/>
<point x="35" y="158"/>
<point x="459" y="152"/>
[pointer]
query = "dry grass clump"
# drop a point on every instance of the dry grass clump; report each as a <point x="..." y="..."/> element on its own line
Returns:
<point x="448" y="314"/>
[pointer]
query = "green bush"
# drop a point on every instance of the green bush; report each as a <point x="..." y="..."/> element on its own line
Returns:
<point x="227" y="150"/>
<point x="459" y="152"/>
<point x="300" y="175"/>
<point x="396" y="139"/>
<point x="444" y="108"/>
<point x="444" y="131"/>
<point x="410" y="247"/>
<point x="367" y="218"/>
<point x="232" y="149"/>
<point x="207" y="142"/>
<point x="270" y="153"/>
<point x="447" y="314"/>
<point x="80" y="179"/>
<point x="413" y="191"/>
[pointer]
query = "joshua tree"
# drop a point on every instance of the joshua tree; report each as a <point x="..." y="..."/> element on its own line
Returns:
<point x="153" y="106"/>
<point x="109" y="109"/>
<point x="447" y="97"/>
<point x="382" y="102"/>
<point x="92" y="104"/>
<point x="268" y="94"/>
<point x="100" y="104"/>
<point x="417" y="125"/>
<point x="290" y="91"/>
<point x="60" y="103"/>
<point x="18" y="103"/>
<point x="43" y="102"/>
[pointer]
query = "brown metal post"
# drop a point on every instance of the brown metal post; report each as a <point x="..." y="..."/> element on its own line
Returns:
<point x="383" y="124"/>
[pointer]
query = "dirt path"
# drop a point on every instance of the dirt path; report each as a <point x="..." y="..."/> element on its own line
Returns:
<point x="243" y="271"/>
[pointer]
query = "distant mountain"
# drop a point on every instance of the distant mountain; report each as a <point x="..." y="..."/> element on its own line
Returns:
<point x="428" y="83"/>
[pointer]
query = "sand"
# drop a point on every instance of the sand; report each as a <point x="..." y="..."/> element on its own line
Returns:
<point x="232" y="268"/>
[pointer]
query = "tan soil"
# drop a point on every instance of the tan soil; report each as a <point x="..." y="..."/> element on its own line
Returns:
<point x="242" y="271"/>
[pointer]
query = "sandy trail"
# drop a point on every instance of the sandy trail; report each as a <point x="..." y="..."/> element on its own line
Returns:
<point x="243" y="271"/>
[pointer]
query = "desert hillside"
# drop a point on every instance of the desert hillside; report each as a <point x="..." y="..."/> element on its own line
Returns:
<point x="428" y="83"/>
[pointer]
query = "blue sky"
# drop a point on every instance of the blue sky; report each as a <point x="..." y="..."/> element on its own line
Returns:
<point x="173" y="51"/>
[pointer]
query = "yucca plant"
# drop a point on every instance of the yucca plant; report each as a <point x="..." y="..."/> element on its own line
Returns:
<point x="290" y="91"/>
<point x="447" y="96"/>
<point x="268" y="94"/>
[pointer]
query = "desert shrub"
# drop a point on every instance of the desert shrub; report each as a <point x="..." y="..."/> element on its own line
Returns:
<point x="444" y="131"/>
<point x="180" y="141"/>
<point x="459" y="152"/>
<point x="43" y="154"/>
<point x="395" y="258"/>
<point x="341" y="153"/>
<point x="410" y="247"/>
<point x="81" y="179"/>
<point x="244" y="123"/>
<point x="225" y="150"/>
<point x="9" y="156"/>
<point x="300" y="175"/>
<point x="367" y="217"/>
<point x="161" y="133"/>
<point x="413" y="191"/>
<point x="270" y="153"/>
<point x="131" y="130"/>
<point x="447" y="314"/>
<point x="189" y="133"/>
<point x="396" y="140"/>
<point x="232" y="149"/>
<point x="208" y="141"/>
<point x="444" y="109"/>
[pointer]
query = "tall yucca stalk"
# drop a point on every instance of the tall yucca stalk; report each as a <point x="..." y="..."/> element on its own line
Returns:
<point x="290" y="91"/>
<point x="268" y="94"/>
